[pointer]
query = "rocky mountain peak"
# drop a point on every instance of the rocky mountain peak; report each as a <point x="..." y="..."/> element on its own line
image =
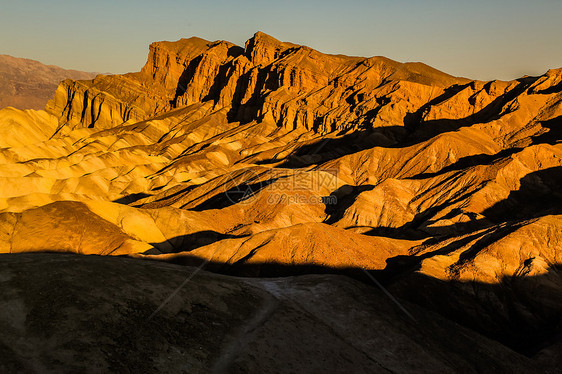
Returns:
<point x="263" y="49"/>
<point x="282" y="83"/>
<point x="276" y="159"/>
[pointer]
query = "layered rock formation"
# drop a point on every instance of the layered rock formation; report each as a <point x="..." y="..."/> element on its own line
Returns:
<point x="275" y="159"/>
<point x="289" y="85"/>
<point x="28" y="84"/>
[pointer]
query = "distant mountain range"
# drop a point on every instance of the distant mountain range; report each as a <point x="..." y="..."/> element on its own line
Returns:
<point x="29" y="84"/>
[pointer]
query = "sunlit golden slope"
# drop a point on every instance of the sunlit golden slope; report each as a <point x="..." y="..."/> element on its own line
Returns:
<point x="274" y="153"/>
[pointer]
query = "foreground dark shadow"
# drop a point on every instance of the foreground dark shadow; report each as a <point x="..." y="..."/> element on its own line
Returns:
<point x="73" y="313"/>
<point x="524" y="313"/>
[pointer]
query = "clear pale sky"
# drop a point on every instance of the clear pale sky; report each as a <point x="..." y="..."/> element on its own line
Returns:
<point x="480" y="39"/>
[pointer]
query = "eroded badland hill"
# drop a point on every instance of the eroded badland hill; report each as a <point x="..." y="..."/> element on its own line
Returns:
<point x="275" y="160"/>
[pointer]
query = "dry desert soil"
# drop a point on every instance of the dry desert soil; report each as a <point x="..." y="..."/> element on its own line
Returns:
<point x="269" y="208"/>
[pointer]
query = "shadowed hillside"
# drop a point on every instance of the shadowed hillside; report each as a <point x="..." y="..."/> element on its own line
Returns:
<point x="220" y="324"/>
<point x="273" y="159"/>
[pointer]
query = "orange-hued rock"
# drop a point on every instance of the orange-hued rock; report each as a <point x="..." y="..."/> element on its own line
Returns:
<point x="64" y="227"/>
<point x="289" y="85"/>
<point x="302" y="245"/>
<point x="273" y="158"/>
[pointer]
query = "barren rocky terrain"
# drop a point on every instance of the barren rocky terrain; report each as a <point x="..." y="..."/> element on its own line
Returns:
<point x="275" y="160"/>
<point x="29" y="84"/>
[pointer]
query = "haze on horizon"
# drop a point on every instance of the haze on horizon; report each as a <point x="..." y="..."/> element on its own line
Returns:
<point x="482" y="39"/>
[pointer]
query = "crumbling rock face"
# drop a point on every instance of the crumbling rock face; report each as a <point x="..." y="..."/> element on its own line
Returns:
<point x="289" y="85"/>
<point x="275" y="159"/>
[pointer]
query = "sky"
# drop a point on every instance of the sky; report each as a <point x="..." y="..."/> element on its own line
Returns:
<point x="478" y="39"/>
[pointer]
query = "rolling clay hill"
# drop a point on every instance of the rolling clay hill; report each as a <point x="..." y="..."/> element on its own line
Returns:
<point x="29" y="84"/>
<point x="276" y="160"/>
